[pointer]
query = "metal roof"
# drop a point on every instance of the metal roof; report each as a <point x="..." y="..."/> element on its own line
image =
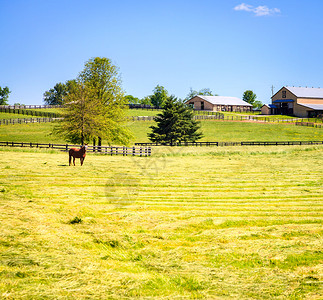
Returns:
<point x="305" y="92"/>
<point x="221" y="100"/>
<point x="313" y="106"/>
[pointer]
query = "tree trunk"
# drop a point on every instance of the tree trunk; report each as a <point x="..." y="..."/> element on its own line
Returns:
<point x="99" y="144"/>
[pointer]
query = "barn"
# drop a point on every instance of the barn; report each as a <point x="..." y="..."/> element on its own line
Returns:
<point x="302" y="102"/>
<point x="219" y="103"/>
<point x="268" y="109"/>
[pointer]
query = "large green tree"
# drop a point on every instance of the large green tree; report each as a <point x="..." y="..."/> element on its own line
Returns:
<point x="159" y="97"/>
<point x="249" y="96"/>
<point x="257" y="104"/>
<point x="132" y="100"/>
<point x="95" y="105"/>
<point x="4" y="95"/>
<point x="55" y="95"/>
<point x="83" y="115"/>
<point x="146" y="100"/>
<point x="103" y="77"/>
<point x="175" y="124"/>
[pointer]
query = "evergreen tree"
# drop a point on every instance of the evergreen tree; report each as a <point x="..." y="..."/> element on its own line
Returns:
<point x="175" y="124"/>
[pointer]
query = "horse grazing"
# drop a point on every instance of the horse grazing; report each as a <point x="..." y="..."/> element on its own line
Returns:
<point x="77" y="153"/>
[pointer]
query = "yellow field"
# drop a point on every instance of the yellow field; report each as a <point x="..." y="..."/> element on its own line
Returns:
<point x="217" y="223"/>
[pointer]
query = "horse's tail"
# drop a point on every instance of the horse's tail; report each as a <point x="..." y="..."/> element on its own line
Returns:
<point x="70" y="157"/>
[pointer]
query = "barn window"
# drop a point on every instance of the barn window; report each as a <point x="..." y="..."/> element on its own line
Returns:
<point x="284" y="94"/>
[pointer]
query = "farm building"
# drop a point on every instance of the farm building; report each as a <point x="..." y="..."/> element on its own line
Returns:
<point x="302" y="102"/>
<point x="268" y="109"/>
<point x="218" y="103"/>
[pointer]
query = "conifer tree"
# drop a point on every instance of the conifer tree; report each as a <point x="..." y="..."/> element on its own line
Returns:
<point x="175" y="124"/>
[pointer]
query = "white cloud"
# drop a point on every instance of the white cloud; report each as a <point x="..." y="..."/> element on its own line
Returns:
<point x="259" y="11"/>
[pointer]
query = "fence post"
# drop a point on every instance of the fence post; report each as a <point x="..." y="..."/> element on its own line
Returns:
<point x="133" y="151"/>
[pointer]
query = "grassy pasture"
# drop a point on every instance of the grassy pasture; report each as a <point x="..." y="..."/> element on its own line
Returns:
<point x="7" y="116"/>
<point x="141" y="112"/>
<point x="49" y="110"/>
<point x="215" y="223"/>
<point x="213" y="131"/>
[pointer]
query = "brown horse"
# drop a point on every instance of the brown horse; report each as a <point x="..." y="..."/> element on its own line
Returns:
<point x="77" y="153"/>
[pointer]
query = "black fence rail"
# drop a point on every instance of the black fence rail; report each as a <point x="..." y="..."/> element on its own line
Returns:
<point x="29" y="112"/>
<point x="143" y="107"/>
<point x="222" y="144"/>
<point x="309" y="124"/>
<point x="25" y="121"/>
<point x="208" y="113"/>
<point x="196" y="117"/>
<point x="108" y="150"/>
<point x="221" y="117"/>
<point x="30" y="106"/>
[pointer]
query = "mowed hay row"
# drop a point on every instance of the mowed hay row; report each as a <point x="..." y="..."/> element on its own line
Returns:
<point x="185" y="222"/>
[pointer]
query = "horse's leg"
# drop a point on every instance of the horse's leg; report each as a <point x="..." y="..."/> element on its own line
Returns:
<point x="74" y="160"/>
<point x="82" y="159"/>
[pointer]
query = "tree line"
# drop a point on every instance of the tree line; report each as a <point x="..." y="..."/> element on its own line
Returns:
<point x="95" y="106"/>
<point x="55" y="95"/>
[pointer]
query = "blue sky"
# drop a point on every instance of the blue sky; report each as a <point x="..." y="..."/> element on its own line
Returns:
<point x="227" y="46"/>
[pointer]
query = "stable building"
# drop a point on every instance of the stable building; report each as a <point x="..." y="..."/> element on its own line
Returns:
<point x="269" y="109"/>
<point x="219" y="103"/>
<point x="302" y="102"/>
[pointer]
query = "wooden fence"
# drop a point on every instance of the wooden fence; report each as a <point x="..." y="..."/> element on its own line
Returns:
<point x="196" y="117"/>
<point x="108" y="150"/>
<point x="29" y="106"/>
<point x="143" y="107"/>
<point x="309" y="124"/>
<point x="29" y="112"/>
<point x="25" y="121"/>
<point x="222" y="144"/>
<point x="221" y="117"/>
